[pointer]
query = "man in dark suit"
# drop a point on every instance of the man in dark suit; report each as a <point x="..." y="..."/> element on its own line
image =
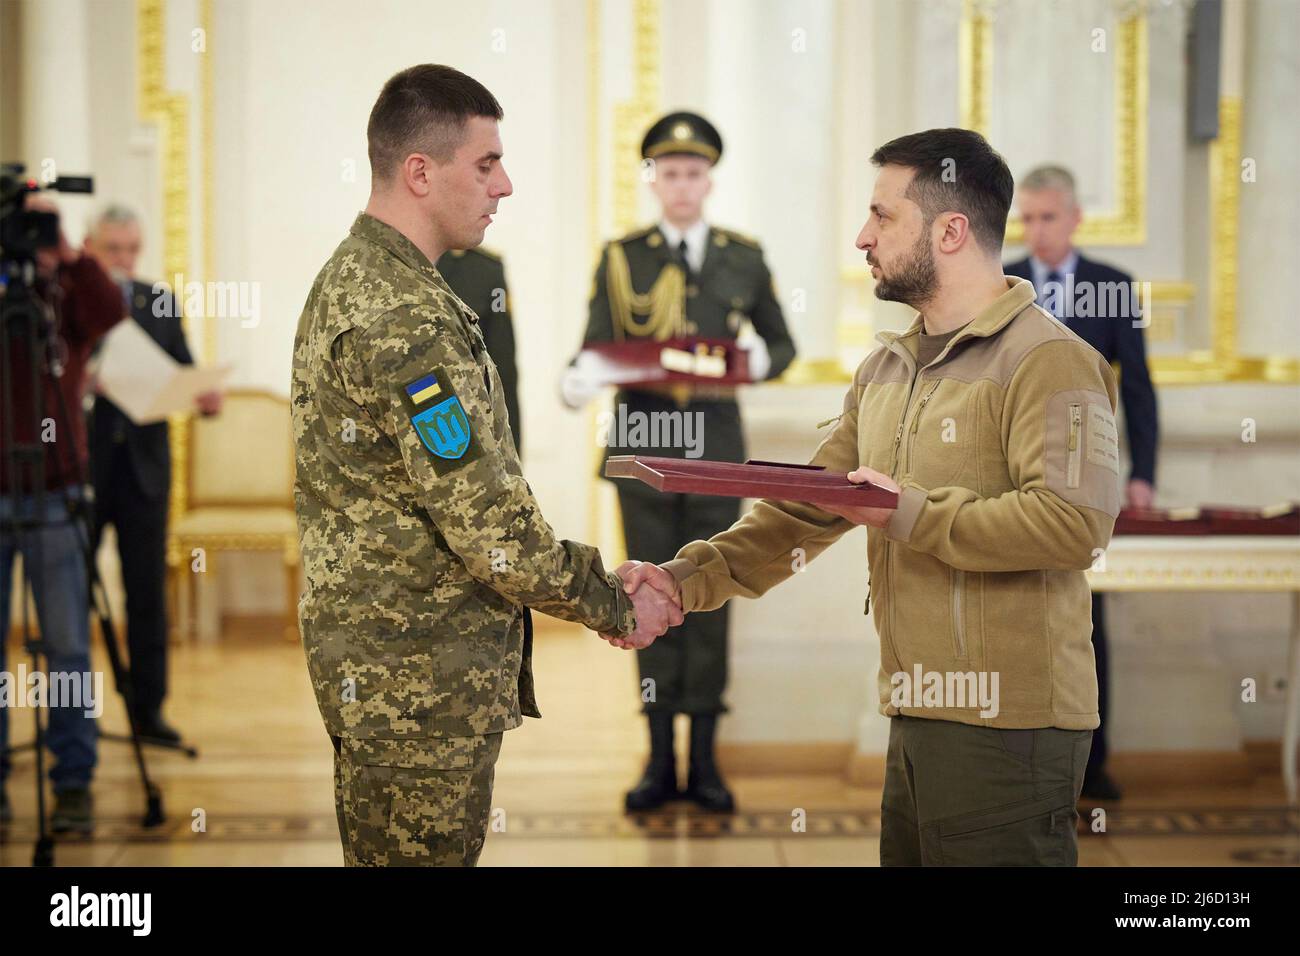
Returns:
<point x="478" y="276"/>
<point x="1097" y="303"/>
<point x="130" y="468"/>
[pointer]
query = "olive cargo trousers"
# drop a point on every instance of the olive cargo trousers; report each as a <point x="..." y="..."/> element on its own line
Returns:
<point x="960" y="795"/>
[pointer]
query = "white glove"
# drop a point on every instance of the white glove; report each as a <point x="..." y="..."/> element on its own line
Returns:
<point x="760" y="362"/>
<point x="579" y="384"/>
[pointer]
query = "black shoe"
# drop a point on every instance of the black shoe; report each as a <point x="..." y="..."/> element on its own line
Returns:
<point x="152" y="725"/>
<point x="1100" y="786"/>
<point x="6" y="808"/>
<point x="658" y="784"/>
<point x="656" y="787"/>
<point x="704" y="783"/>
<point x="73" y="811"/>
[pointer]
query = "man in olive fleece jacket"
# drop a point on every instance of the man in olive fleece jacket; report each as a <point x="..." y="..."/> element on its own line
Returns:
<point x="996" y="425"/>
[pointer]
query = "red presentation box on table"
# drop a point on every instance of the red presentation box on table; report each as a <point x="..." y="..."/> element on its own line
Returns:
<point x="1212" y="519"/>
<point x="811" y="484"/>
<point x="693" y="359"/>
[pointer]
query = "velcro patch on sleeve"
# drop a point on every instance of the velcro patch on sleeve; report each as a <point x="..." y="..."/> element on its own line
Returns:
<point x="440" y="420"/>
<point x="1103" y="438"/>
<point x="1081" y="450"/>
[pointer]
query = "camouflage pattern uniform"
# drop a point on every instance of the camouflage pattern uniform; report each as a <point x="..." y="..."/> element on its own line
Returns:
<point x="423" y="549"/>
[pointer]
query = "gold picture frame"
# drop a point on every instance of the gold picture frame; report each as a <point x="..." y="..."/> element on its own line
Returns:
<point x="1126" y="224"/>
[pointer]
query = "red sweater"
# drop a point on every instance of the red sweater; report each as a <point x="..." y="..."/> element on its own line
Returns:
<point x="92" y="304"/>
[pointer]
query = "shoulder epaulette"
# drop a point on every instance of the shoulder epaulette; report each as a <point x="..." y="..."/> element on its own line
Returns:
<point x="739" y="237"/>
<point x="636" y="234"/>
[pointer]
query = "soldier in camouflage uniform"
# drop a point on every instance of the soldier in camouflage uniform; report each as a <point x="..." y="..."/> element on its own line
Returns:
<point x="683" y="277"/>
<point x="422" y="543"/>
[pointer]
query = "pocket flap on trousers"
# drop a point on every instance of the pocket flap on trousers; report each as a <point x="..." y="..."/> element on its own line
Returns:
<point x="427" y="753"/>
<point x="1002" y="816"/>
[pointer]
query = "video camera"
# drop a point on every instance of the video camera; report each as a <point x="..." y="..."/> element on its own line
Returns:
<point x="22" y="230"/>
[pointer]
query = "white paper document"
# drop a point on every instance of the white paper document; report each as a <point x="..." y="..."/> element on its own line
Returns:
<point x="140" y="378"/>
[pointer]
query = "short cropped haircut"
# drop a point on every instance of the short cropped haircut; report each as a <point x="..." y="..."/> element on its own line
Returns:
<point x="1049" y="177"/>
<point x="956" y="170"/>
<point x="424" y="109"/>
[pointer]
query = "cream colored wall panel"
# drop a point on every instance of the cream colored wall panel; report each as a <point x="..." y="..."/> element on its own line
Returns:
<point x="1054" y="92"/>
<point x="1270" y="202"/>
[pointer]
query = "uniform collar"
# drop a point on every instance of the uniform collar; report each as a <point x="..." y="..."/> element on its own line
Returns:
<point x="990" y="321"/>
<point x="367" y="227"/>
<point x="697" y="239"/>
<point x="694" y="234"/>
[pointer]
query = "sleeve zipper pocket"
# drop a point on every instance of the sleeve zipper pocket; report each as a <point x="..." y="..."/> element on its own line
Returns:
<point x="1075" y="446"/>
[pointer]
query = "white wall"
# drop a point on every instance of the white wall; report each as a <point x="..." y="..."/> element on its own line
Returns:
<point x="293" y="97"/>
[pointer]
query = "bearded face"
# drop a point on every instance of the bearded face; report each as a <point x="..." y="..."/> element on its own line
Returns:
<point x="910" y="276"/>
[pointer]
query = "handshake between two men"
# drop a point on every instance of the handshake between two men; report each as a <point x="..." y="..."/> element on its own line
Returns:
<point x="657" y="599"/>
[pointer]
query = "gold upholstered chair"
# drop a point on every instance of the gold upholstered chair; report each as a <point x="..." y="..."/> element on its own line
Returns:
<point x="233" y="491"/>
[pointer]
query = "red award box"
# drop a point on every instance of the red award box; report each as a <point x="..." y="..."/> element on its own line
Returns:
<point x="1212" y="519"/>
<point x="754" y="479"/>
<point x="694" y="359"/>
<point x="1277" y="519"/>
<point x="1161" y="521"/>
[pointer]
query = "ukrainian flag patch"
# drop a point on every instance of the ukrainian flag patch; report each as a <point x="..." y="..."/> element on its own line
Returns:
<point x="423" y="389"/>
<point x="440" y="420"/>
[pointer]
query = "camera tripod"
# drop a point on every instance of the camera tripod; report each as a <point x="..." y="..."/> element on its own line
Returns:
<point x="29" y="324"/>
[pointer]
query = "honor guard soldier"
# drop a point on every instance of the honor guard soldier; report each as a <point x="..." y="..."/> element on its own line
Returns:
<point x="681" y="277"/>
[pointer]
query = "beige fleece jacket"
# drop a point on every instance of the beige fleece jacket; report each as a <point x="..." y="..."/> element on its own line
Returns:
<point x="1006" y="449"/>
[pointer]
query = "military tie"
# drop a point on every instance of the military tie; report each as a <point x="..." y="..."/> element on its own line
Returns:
<point x="681" y="256"/>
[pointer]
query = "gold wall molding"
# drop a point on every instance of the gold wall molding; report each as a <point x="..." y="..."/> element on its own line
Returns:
<point x="1126" y="224"/>
<point x="975" y="66"/>
<point x="1221" y="362"/>
<point x="1225" y="209"/>
<point x="208" y="195"/>
<point x="170" y="113"/>
<point x="1169" y="305"/>
<point x="633" y="116"/>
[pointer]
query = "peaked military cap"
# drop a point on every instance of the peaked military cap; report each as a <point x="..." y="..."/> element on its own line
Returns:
<point x="682" y="133"/>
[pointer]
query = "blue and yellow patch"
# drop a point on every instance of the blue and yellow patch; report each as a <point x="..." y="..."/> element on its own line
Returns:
<point x="440" y="420"/>
<point x="423" y="389"/>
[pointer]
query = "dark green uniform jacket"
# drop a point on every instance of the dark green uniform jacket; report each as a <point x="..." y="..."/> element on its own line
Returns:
<point x="653" y="297"/>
